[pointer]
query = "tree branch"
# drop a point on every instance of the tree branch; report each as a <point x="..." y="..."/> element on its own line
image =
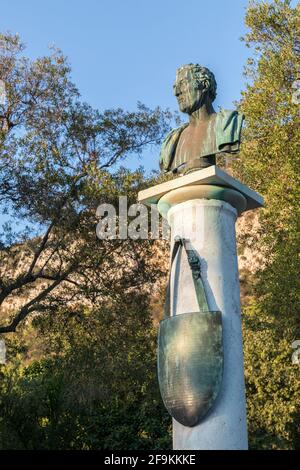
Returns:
<point x="33" y="304"/>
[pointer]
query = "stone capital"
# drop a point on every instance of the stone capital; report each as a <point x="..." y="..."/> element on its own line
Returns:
<point x="208" y="183"/>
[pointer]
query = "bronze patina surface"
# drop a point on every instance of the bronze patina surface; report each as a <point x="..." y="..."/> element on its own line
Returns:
<point x="195" y="144"/>
<point x="190" y="353"/>
<point x="190" y="364"/>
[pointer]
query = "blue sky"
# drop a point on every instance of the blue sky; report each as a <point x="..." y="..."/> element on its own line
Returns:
<point x="124" y="51"/>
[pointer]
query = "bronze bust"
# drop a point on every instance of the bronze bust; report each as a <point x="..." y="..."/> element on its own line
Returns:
<point x="194" y="145"/>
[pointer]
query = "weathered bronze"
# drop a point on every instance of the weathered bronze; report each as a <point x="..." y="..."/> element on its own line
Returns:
<point x="195" y="144"/>
<point x="190" y="354"/>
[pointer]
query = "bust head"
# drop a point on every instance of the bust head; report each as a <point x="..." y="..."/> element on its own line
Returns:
<point x="194" y="85"/>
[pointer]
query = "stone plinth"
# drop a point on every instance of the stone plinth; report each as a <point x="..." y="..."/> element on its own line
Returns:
<point x="212" y="175"/>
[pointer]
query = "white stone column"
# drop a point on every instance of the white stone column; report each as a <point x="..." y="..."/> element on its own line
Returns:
<point x="202" y="207"/>
<point x="210" y="227"/>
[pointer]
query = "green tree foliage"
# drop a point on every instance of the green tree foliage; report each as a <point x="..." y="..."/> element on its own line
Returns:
<point x="59" y="159"/>
<point x="81" y="310"/>
<point x="80" y="340"/>
<point x="269" y="163"/>
<point x="97" y="388"/>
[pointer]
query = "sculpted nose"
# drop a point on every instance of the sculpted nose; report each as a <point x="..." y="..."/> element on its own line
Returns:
<point x="176" y="90"/>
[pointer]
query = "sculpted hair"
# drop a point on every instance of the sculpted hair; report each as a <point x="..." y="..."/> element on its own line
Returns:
<point x="202" y="75"/>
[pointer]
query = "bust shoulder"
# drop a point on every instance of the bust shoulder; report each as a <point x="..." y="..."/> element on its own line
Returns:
<point x="168" y="147"/>
<point x="228" y="129"/>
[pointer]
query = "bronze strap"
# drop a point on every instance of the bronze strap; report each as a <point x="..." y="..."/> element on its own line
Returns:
<point x="195" y="265"/>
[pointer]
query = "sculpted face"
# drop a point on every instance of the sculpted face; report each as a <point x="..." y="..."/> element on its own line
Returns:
<point x="190" y="95"/>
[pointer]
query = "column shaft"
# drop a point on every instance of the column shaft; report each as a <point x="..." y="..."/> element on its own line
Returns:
<point x="210" y="227"/>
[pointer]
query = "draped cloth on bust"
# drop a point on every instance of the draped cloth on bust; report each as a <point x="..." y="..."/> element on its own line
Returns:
<point x="228" y="125"/>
